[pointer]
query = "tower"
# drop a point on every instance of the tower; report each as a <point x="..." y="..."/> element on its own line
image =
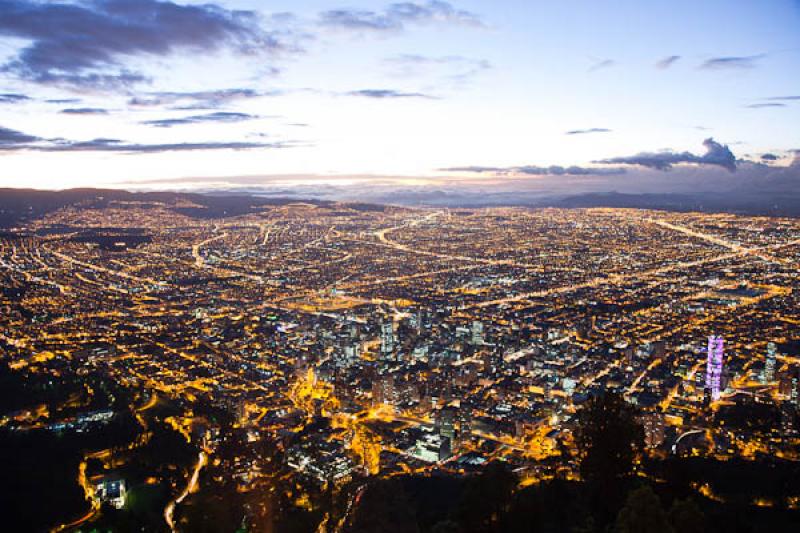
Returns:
<point x="769" y="364"/>
<point x="716" y="356"/>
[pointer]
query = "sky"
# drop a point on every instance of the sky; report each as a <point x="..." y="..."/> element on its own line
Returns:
<point x="572" y="94"/>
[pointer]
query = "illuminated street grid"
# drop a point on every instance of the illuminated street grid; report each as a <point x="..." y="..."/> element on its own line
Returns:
<point x="499" y="321"/>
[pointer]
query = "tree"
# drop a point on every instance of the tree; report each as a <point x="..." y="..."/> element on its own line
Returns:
<point x="642" y="513"/>
<point x="486" y="497"/>
<point x="609" y="439"/>
<point x="446" y="526"/>
<point x="686" y="517"/>
<point x="386" y="507"/>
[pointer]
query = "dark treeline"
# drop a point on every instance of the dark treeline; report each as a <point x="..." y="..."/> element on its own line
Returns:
<point x="619" y="493"/>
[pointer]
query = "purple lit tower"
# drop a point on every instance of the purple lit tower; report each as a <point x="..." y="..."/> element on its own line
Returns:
<point x="716" y="356"/>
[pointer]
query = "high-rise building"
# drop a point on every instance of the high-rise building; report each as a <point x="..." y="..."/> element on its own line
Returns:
<point x="716" y="357"/>
<point x="768" y="375"/>
<point x="348" y="355"/>
<point x="653" y="424"/>
<point x="477" y="332"/>
<point x="387" y="338"/>
<point x="383" y="391"/>
<point x="446" y="423"/>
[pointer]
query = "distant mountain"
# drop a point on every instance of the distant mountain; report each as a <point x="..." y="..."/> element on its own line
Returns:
<point x="766" y="204"/>
<point x="20" y="205"/>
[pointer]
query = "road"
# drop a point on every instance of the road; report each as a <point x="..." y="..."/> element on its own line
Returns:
<point x="191" y="486"/>
<point x="199" y="260"/>
<point x="94" y="502"/>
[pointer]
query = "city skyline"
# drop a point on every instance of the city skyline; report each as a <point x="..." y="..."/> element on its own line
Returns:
<point x="309" y="95"/>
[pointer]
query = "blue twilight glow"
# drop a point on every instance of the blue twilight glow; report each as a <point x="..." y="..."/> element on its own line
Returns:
<point x="237" y="92"/>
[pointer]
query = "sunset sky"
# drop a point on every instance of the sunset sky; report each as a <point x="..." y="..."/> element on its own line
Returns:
<point x="132" y="92"/>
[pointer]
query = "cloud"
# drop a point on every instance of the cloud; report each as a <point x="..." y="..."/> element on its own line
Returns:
<point x="783" y="98"/>
<point x="64" y="101"/>
<point x="769" y="157"/>
<point x="533" y="170"/>
<point x="388" y="93"/>
<point x="196" y="100"/>
<point x="16" y="141"/>
<point x="10" y="138"/>
<point x="398" y="16"/>
<point x="457" y="69"/>
<point x="220" y="116"/>
<point x="716" y="154"/>
<point x="732" y="62"/>
<point x="84" y="111"/>
<point x="13" y="98"/>
<point x="603" y="64"/>
<point x="118" y="146"/>
<point x="763" y="105"/>
<point x="84" y="44"/>
<point x="667" y="62"/>
<point x="589" y="130"/>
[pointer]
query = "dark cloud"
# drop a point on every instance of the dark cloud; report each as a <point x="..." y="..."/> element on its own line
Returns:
<point x="84" y="111"/>
<point x="731" y="62"/>
<point x="556" y="170"/>
<point x="667" y="62"/>
<point x="769" y="157"/>
<point x="476" y="169"/>
<point x="195" y="100"/>
<point x="64" y="101"/>
<point x="603" y="64"/>
<point x="13" y="98"/>
<point x="11" y="138"/>
<point x="220" y="116"/>
<point x="91" y="81"/>
<point x="589" y="130"/>
<point x="84" y="43"/>
<point x="388" y="93"/>
<point x="16" y="141"/>
<point x="398" y="16"/>
<point x="532" y="170"/>
<point x="716" y="154"/>
<point x="763" y="105"/>
<point x="118" y="146"/>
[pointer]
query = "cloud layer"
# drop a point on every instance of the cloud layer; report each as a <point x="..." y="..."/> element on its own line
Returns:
<point x="84" y="44"/>
<point x="381" y="94"/>
<point x="533" y="170"/>
<point x="716" y="154"/>
<point x="218" y="117"/>
<point x="398" y="16"/>
<point x="588" y="130"/>
<point x="195" y="100"/>
<point x="16" y="141"/>
<point x="731" y="62"/>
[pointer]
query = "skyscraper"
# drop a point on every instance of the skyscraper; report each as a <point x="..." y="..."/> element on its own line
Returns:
<point x="769" y="364"/>
<point x="716" y="356"/>
<point x="387" y="338"/>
